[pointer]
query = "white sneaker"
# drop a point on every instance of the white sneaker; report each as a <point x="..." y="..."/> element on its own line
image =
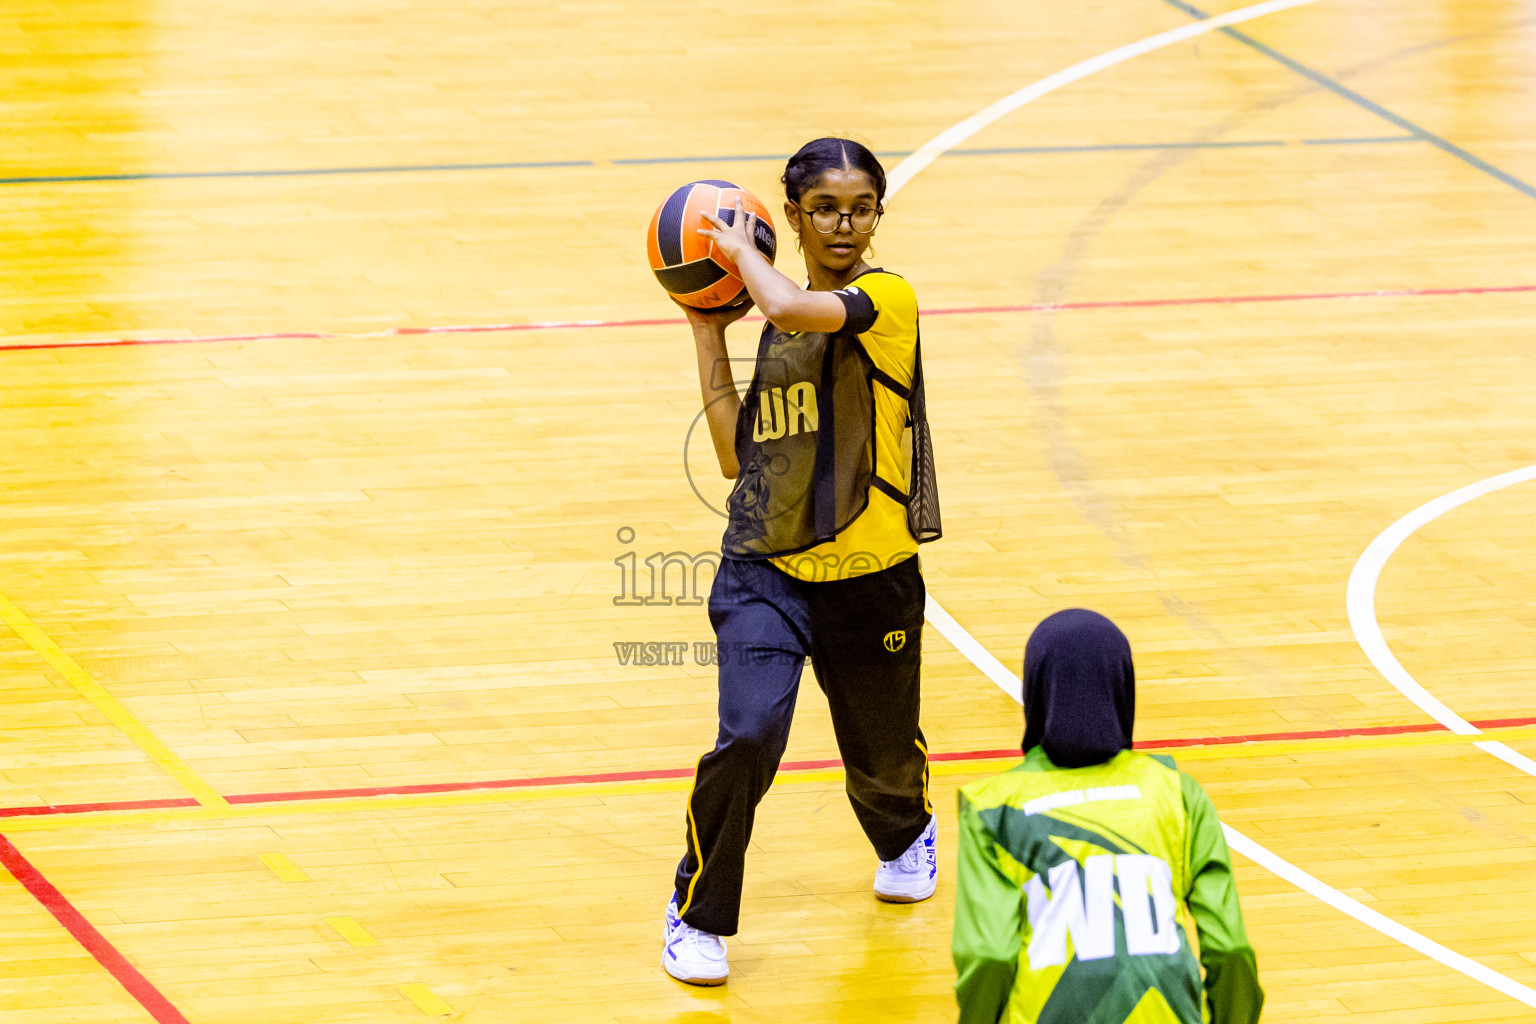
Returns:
<point x="690" y="955"/>
<point x="914" y="875"/>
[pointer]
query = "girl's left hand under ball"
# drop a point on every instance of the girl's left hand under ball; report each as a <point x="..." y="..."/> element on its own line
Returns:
<point x="719" y="319"/>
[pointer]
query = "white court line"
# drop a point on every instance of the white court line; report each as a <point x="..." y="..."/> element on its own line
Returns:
<point x="1388" y="927"/>
<point x="951" y="137"/>
<point x="976" y="654"/>
<point x="993" y="669"/>
<point x="1013" y="686"/>
<point x="1360" y="599"/>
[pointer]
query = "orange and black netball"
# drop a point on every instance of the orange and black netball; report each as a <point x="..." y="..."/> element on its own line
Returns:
<point x="687" y="263"/>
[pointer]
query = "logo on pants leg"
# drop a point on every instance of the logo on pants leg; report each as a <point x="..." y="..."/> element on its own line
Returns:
<point x="895" y="640"/>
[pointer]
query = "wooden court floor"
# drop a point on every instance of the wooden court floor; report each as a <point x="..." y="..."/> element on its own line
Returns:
<point x="345" y="433"/>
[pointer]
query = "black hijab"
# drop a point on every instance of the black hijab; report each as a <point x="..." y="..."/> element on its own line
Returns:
<point x="1079" y="689"/>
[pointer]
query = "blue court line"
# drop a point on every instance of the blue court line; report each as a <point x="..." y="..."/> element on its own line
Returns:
<point x="1110" y="147"/>
<point x="295" y="173"/>
<point x="1104" y="147"/>
<point x="1346" y="92"/>
<point x="739" y="157"/>
<point x="995" y="151"/>
<point x="1358" y="141"/>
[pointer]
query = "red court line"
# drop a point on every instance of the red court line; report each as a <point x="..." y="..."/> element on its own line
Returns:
<point x="86" y="934"/>
<point x="644" y="775"/>
<point x="1258" y="737"/>
<point x="107" y="805"/>
<point x="1316" y="734"/>
<point x="573" y="325"/>
<point x="458" y="787"/>
<point x="121" y="342"/>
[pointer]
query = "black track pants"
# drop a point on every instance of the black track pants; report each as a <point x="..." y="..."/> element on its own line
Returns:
<point x="864" y="637"/>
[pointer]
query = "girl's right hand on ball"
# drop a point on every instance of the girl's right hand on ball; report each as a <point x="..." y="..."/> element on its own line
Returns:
<point x="734" y="240"/>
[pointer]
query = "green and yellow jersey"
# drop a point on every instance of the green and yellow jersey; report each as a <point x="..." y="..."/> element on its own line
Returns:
<point x="1077" y="890"/>
<point x="882" y="312"/>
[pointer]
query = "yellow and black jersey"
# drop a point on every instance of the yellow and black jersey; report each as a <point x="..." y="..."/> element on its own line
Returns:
<point x="836" y="465"/>
<point x="882" y="314"/>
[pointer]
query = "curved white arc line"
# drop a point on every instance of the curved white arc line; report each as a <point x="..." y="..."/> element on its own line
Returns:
<point x="1381" y="923"/>
<point x="1360" y="600"/>
<point x="1013" y="686"/>
<point x="951" y="137"/>
<point x="928" y="152"/>
<point x="993" y="669"/>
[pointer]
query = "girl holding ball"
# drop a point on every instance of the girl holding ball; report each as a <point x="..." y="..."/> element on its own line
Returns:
<point x="834" y="491"/>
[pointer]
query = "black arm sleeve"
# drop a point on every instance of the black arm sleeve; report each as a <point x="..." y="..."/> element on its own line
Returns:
<point x="859" y="309"/>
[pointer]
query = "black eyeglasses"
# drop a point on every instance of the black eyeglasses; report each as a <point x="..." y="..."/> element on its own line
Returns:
<point x="827" y="219"/>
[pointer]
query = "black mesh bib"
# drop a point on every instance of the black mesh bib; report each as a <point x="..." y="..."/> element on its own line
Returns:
<point x="805" y="447"/>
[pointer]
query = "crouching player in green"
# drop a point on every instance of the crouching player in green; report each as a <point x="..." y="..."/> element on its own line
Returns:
<point x="1082" y="870"/>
